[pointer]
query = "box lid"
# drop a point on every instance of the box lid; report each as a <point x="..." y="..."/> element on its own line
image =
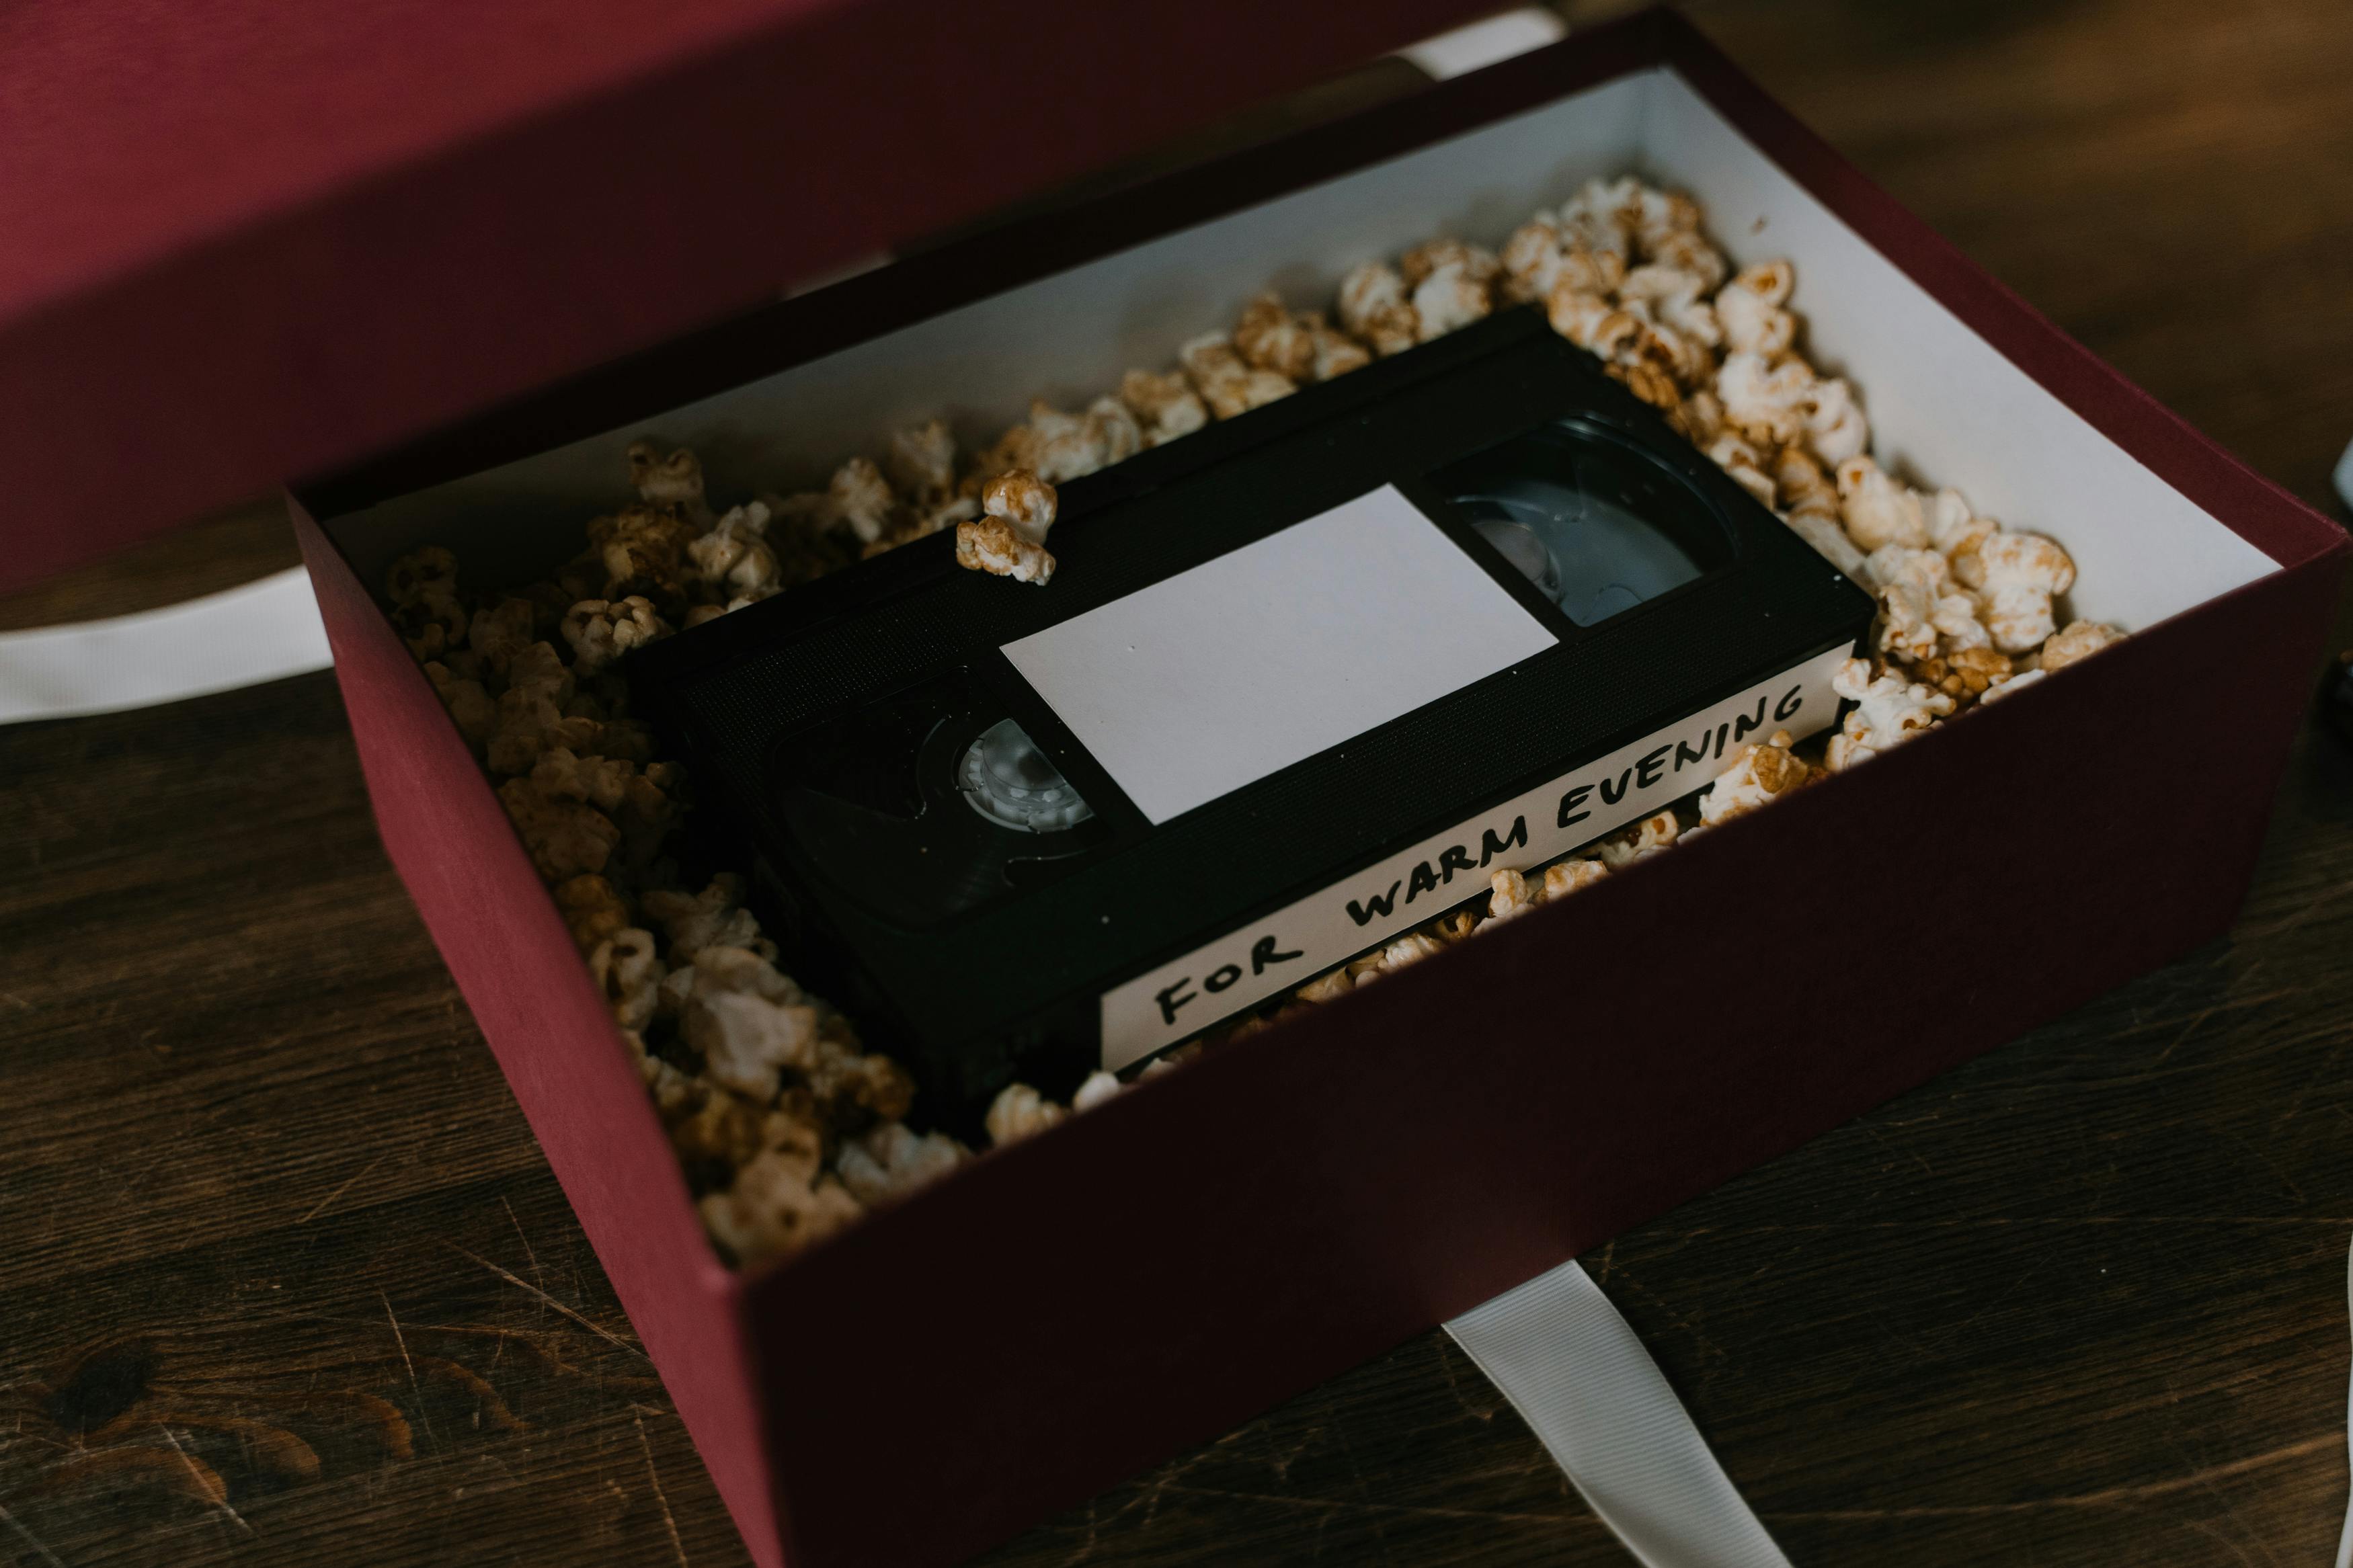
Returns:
<point x="250" y="239"/>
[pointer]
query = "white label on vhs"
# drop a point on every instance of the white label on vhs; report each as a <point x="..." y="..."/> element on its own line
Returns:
<point x="1217" y="677"/>
<point x="1302" y="941"/>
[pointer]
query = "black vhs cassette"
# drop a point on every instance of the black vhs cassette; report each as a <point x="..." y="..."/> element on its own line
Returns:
<point x="1301" y="681"/>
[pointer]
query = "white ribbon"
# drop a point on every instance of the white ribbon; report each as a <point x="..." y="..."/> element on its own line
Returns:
<point x="257" y="632"/>
<point x="2345" y="1539"/>
<point x="1484" y="43"/>
<point x="1574" y="1369"/>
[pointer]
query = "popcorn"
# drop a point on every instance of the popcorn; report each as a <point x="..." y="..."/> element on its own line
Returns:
<point x="2080" y="640"/>
<point x="749" y="1023"/>
<point x="891" y="1162"/>
<point x="423" y="588"/>
<point x="592" y="909"/>
<point x="671" y="996"/>
<point x="472" y="708"/>
<point x="717" y="1127"/>
<point x="711" y="918"/>
<point x="626" y="739"/>
<point x="1059" y="445"/>
<point x="1474" y="263"/>
<point x="1114" y="430"/>
<point x="1336" y="353"/>
<point x="1023" y="500"/>
<point x="672" y="481"/>
<point x="1540" y="257"/>
<point x="1270" y="337"/>
<point x="648" y="808"/>
<point x="1766" y="402"/>
<point x="859" y="498"/>
<point x="1641" y="340"/>
<point x="1327" y="987"/>
<point x="1449" y="300"/>
<point x="496" y="635"/>
<point x="1099" y="1086"/>
<point x="582" y="578"/>
<point x="1531" y="260"/>
<point x="1373" y="306"/>
<point x="541" y="671"/>
<point x="1957" y="532"/>
<point x="642" y="550"/>
<point x="566" y="837"/>
<point x="604" y="783"/>
<point x="1675" y="296"/>
<point x="1449" y="281"/>
<point x="1410" y="947"/>
<point x="778" y="1204"/>
<point x="533" y="716"/>
<point x="1660" y="218"/>
<point x="1019" y="1111"/>
<point x="850" y="1087"/>
<point x="1582" y="316"/>
<point x="800" y="534"/>
<point x="1566" y="876"/>
<point x="1510" y="895"/>
<point x="742" y="971"/>
<point x="1888" y="711"/>
<point x="1738" y="458"/>
<point x="1812" y="511"/>
<point x="1686" y="250"/>
<point x="1010" y="540"/>
<point x="674" y="1094"/>
<point x="2018" y="574"/>
<point x="1654" y="361"/>
<point x="922" y="521"/>
<point x="1602" y="215"/>
<point x="1166" y="405"/>
<point x="1227" y="384"/>
<point x="1966" y="674"/>
<point x="1065" y="447"/>
<point x="921" y="463"/>
<point x="1879" y="509"/>
<point x="1758" y="775"/>
<point x="1454" y="927"/>
<point x="1836" y="429"/>
<point x="601" y="630"/>
<point x="734" y="557"/>
<point x="989" y="544"/>
<point x="628" y="971"/>
<point x="1645" y="838"/>
<point x="1922" y="613"/>
<point x="2018" y="682"/>
<point x="1699" y="419"/>
<point x="1749" y="310"/>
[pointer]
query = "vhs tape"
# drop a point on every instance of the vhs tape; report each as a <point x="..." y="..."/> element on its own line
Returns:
<point x="1301" y="681"/>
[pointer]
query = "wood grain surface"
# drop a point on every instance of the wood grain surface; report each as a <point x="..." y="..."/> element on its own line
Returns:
<point x="283" y="1279"/>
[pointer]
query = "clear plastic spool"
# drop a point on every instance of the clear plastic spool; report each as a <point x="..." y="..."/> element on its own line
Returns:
<point x="1589" y="555"/>
<point x="1006" y="779"/>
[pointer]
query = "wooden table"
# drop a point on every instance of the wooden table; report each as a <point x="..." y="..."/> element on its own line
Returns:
<point x="283" y="1279"/>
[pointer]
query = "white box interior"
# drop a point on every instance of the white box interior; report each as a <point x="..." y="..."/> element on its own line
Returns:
<point x="1945" y="406"/>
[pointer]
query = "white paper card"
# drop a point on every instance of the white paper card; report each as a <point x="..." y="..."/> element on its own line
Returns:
<point x="1218" y="677"/>
<point x="1365" y="908"/>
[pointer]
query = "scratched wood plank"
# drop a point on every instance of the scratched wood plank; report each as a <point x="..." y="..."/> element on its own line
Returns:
<point x="283" y="1279"/>
<point x="230" y="547"/>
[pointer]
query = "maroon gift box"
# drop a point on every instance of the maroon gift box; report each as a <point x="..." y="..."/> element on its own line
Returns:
<point x="1063" y="1312"/>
